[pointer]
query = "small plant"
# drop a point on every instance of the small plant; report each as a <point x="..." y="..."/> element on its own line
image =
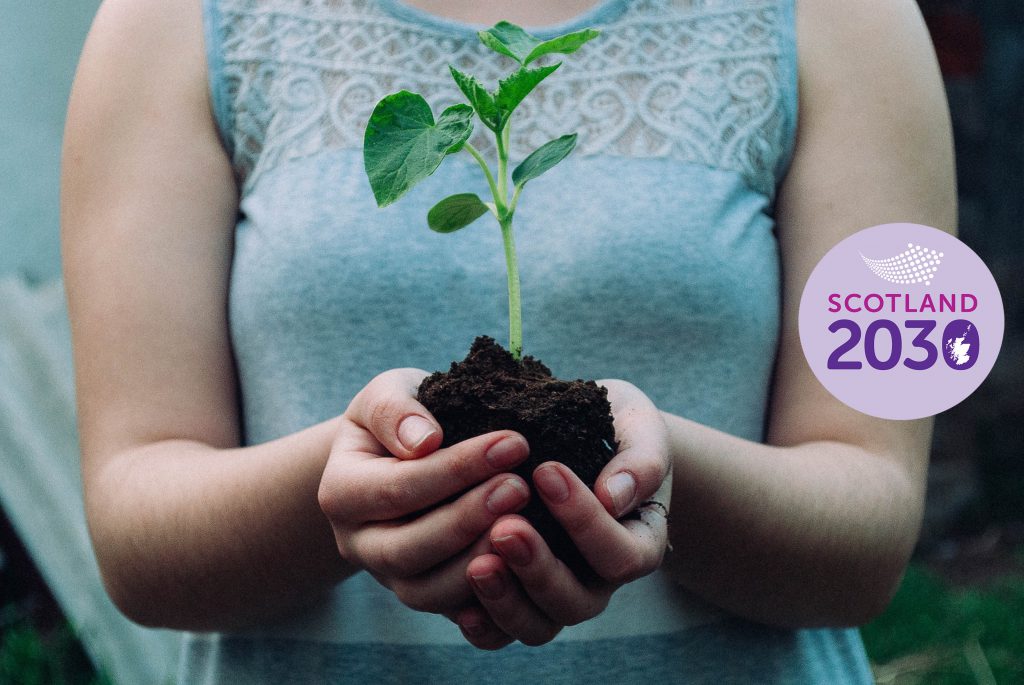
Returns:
<point x="404" y="144"/>
<point x="493" y="388"/>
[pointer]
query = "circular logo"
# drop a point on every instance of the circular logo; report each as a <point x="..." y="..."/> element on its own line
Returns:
<point x="901" y="321"/>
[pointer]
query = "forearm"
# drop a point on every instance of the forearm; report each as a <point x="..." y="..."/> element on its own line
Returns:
<point x="198" y="538"/>
<point x="814" y="534"/>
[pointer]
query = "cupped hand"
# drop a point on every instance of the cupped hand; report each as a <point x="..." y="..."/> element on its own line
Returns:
<point x="528" y="594"/>
<point x="409" y="513"/>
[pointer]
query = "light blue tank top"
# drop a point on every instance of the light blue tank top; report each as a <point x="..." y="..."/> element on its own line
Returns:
<point x="647" y="255"/>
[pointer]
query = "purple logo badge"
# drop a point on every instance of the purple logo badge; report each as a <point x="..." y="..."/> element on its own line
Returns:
<point x="901" y="339"/>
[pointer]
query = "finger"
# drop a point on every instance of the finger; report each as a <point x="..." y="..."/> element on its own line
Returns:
<point x="505" y="602"/>
<point x="442" y="589"/>
<point x="406" y="548"/>
<point x="387" y="408"/>
<point x="642" y="463"/>
<point x="383" y="489"/>
<point x="613" y="549"/>
<point x="545" y="579"/>
<point x="479" y="630"/>
<point x="652" y="527"/>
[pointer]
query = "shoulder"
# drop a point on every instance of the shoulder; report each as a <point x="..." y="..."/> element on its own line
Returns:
<point x="873" y="137"/>
<point x="163" y="22"/>
<point x="147" y="49"/>
<point x="141" y="83"/>
<point x="863" y="20"/>
<point x="878" y="47"/>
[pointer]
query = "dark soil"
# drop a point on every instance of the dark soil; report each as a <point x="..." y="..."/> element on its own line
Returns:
<point x="565" y="421"/>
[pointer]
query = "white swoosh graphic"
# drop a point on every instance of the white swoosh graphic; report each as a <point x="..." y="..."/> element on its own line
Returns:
<point x="916" y="264"/>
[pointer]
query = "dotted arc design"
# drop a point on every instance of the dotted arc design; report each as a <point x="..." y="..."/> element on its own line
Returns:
<point x="916" y="264"/>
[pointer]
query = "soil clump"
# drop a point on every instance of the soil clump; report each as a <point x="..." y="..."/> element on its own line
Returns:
<point x="565" y="421"/>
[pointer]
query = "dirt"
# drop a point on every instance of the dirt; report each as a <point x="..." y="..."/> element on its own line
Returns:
<point x="565" y="421"/>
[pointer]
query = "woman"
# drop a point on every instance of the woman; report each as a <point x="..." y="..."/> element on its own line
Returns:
<point x="232" y="289"/>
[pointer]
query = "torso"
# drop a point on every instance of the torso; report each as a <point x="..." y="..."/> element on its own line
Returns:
<point x="647" y="255"/>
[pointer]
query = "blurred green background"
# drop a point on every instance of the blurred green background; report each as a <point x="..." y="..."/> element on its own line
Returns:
<point x="959" y="614"/>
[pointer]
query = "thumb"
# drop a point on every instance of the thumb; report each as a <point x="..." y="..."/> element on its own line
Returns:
<point x="640" y="470"/>
<point x="388" y="409"/>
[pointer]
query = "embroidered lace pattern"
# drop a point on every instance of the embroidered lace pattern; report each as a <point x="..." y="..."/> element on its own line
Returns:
<point x="699" y="81"/>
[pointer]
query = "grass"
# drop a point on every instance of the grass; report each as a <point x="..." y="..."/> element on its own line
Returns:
<point x="37" y="645"/>
<point x="29" y="656"/>
<point x="936" y="634"/>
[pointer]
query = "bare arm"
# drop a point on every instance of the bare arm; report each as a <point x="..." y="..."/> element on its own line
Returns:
<point x="816" y="527"/>
<point x="190" y="530"/>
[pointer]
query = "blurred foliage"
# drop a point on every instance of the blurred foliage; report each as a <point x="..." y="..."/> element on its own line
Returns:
<point x="31" y="657"/>
<point x="37" y="645"/>
<point x="936" y="634"/>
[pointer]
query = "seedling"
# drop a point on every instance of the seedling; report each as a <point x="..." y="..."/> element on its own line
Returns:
<point x="404" y="144"/>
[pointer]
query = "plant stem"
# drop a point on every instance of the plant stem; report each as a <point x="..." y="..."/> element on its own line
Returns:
<point x="501" y="210"/>
<point x="506" y="132"/>
<point x="505" y="214"/>
<point x="515" y="200"/>
<point x="502" y="169"/>
<point x="515" y="316"/>
<point x="487" y="171"/>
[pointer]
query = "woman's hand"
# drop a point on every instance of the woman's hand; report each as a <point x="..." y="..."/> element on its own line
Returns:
<point x="411" y="514"/>
<point x="525" y="592"/>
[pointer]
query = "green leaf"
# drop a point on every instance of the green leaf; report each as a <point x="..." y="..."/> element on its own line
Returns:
<point x="543" y="158"/>
<point x="508" y="39"/>
<point x="513" y="89"/>
<point x="455" y="212"/>
<point x="482" y="101"/>
<point x="564" y="45"/>
<point x="402" y="144"/>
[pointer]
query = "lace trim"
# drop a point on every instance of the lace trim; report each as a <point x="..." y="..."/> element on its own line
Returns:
<point x="691" y="80"/>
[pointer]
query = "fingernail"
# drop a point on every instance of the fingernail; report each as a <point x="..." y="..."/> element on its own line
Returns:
<point x="507" y="452"/>
<point x="513" y="549"/>
<point x="508" y="496"/>
<point x="551" y="483"/>
<point x="414" y="430"/>
<point x="622" y="488"/>
<point x="490" y="585"/>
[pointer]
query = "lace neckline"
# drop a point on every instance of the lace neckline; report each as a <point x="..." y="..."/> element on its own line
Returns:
<point x="709" y="82"/>
<point x="602" y="12"/>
